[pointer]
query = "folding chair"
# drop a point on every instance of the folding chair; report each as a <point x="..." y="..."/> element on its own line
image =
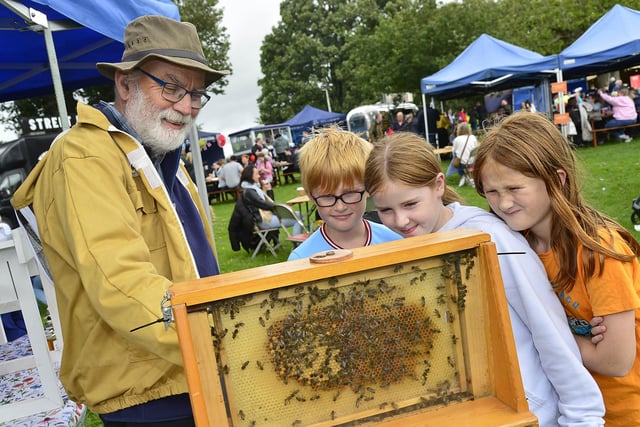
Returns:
<point x="266" y="236"/>
<point x="284" y="211"/>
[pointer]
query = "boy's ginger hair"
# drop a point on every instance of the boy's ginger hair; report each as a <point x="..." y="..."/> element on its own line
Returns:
<point x="332" y="158"/>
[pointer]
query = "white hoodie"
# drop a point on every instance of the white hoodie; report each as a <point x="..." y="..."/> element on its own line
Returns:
<point x="559" y="389"/>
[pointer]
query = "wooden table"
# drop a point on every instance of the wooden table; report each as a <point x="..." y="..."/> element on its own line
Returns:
<point x="444" y="150"/>
<point x="306" y="210"/>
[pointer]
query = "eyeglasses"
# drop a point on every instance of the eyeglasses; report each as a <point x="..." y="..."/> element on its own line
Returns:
<point x="347" y="198"/>
<point x="174" y="93"/>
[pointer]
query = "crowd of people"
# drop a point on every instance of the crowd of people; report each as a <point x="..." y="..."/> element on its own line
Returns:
<point x="614" y="106"/>
<point x="120" y="221"/>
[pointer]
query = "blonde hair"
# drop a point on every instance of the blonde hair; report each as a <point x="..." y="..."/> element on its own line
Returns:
<point x="405" y="158"/>
<point x="332" y="158"/>
<point x="463" y="129"/>
<point x="532" y="145"/>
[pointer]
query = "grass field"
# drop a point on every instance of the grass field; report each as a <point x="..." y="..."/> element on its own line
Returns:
<point x="610" y="182"/>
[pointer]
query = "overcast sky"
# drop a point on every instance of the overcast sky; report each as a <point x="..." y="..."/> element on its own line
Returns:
<point x="247" y="23"/>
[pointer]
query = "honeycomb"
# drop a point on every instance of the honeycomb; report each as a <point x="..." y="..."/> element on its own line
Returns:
<point x="349" y="349"/>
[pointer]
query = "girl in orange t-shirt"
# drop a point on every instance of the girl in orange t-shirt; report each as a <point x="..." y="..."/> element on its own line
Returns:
<point x="526" y="170"/>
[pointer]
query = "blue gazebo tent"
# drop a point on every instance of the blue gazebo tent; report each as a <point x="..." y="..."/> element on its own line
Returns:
<point x="83" y="33"/>
<point x="488" y="64"/>
<point x="611" y="43"/>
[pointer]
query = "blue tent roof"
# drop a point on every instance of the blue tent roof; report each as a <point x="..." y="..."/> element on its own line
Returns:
<point x="313" y="117"/>
<point x="84" y="32"/>
<point x="309" y="117"/>
<point x="611" y="43"/>
<point x="488" y="63"/>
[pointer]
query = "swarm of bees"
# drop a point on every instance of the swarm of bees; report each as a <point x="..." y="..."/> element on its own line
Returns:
<point x="364" y="336"/>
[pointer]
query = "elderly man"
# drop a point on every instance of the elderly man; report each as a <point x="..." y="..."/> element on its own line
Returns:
<point x="120" y="221"/>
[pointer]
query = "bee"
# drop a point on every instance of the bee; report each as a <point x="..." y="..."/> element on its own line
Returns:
<point x="423" y="301"/>
<point x="449" y="316"/>
<point x="235" y="333"/>
<point x="332" y="281"/>
<point x="441" y="299"/>
<point x="454" y="339"/>
<point x="333" y="415"/>
<point x="245" y="364"/>
<point x="436" y="312"/>
<point x="291" y="396"/>
<point x="267" y="314"/>
<point x="335" y="396"/>
<point x="261" y="320"/>
<point x="397" y="268"/>
<point x="241" y="414"/>
<point x="451" y="362"/>
<point x="413" y="281"/>
<point x="239" y="324"/>
<point x="260" y="365"/>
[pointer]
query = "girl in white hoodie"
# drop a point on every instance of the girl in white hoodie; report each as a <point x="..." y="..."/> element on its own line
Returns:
<point x="405" y="181"/>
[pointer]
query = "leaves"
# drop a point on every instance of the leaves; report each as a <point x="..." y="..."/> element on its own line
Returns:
<point x="365" y="48"/>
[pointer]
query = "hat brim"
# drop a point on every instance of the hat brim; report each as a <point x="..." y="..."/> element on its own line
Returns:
<point x="108" y="69"/>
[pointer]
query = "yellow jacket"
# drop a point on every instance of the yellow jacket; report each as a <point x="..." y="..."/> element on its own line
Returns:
<point x="114" y="244"/>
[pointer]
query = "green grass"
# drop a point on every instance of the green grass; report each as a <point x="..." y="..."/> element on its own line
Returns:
<point x="233" y="261"/>
<point x="610" y="182"/>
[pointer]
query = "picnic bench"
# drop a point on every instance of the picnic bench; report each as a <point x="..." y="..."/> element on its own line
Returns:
<point x="444" y="150"/>
<point x="594" y="131"/>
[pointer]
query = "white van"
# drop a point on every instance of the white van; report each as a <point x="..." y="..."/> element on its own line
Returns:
<point x="360" y="118"/>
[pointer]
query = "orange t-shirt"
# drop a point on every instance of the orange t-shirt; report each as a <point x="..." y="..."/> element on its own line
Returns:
<point x="617" y="290"/>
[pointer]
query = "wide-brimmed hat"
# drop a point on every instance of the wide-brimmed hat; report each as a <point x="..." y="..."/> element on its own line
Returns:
<point x="158" y="37"/>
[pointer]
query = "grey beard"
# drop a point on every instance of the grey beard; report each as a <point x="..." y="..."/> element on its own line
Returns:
<point x="146" y="120"/>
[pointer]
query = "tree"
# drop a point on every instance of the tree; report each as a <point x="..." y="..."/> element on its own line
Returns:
<point x="377" y="47"/>
<point x="204" y="14"/>
<point x="303" y="56"/>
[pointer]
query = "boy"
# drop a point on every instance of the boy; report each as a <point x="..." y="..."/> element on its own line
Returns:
<point x="332" y="169"/>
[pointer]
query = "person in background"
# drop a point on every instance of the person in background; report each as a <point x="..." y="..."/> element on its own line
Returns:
<point x="258" y="146"/>
<point x="121" y="221"/>
<point x="265" y="169"/>
<point x="624" y="112"/>
<point x="375" y="130"/>
<point x="231" y="171"/>
<point x="528" y="173"/>
<point x="505" y="108"/>
<point x="408" y="188"/>
<point x="481" y="112"/>
<point x="217" y="172"/>
<point x="594" y="110"/>
<point x="245" y="160"/>
<point x="291" y="165"/>
<point x="462" y="116"/>
<point x="400" y="124"/>
<point x="280" y="144"/>
<point x="259" y="204"/>
<point x="463" y="148"/>
<point x="332" y="171"/>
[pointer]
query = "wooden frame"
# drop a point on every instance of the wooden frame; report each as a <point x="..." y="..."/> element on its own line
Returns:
<point x="295" y="366"/>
